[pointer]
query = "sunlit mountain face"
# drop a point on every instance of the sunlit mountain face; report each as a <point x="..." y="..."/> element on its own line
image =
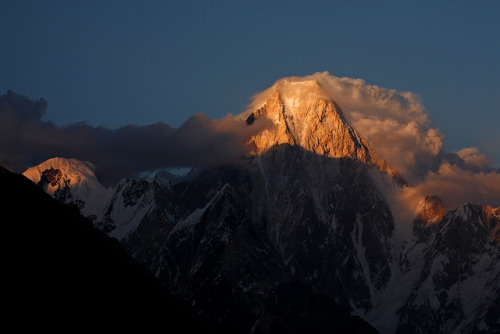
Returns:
<point x="339" y="212"/>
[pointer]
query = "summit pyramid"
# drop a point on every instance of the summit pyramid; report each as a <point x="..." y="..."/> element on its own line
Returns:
<point x="302" y="114"/>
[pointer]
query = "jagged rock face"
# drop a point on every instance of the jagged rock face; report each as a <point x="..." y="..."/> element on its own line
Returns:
<point x="340" y="245"/>
<point x="138" y="200"/>
<point x="457" y="289"/>
<point x="304" y="210"/>
<point x="227" y="264"/>
<point x="50" y="176"/>
<point x="304" y="116"/>
<point x="217" y="260"/>
<point x="52" y="181"/>
<point x="327" y="235"/>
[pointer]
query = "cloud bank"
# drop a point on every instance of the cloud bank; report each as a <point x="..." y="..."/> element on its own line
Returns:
<point x="27" y="140"/>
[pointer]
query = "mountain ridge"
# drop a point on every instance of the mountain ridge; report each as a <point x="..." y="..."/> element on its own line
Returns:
<point x="153" y="241"/>
<point x="306" y="206"/>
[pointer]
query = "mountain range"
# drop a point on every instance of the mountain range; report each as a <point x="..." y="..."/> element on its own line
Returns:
<point x="298" y="236"/>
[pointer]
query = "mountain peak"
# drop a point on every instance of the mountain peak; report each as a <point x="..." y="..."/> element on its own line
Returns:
<point x="68" y="167"/>
<point x="70" y="181"/>
<point x="304" y="115"/>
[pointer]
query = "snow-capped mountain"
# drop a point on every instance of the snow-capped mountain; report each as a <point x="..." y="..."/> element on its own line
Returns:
<point x="116" y="211"/>
<point x="71" y="181"/>
<point x="304" y="211"/>
<point x="303" y="115"/>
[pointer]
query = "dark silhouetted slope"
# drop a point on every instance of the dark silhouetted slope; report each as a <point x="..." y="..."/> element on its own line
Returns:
<point x="60" y="271"/>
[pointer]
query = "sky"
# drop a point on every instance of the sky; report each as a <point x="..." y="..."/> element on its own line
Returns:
<point x="115" y="63"/>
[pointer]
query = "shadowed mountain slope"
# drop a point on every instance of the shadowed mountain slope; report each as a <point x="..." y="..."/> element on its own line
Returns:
<point x="60" y="270"/>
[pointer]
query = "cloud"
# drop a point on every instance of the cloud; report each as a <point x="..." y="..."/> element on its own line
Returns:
<point x="457" y="185"/>
<point x="474" y="159"/>
<point x="26" y="140"/>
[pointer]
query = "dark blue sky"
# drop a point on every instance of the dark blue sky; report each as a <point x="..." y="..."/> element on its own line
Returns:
<point x="138" y="62"/>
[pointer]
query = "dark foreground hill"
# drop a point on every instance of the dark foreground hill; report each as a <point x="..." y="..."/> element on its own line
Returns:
<point x="59" y="271"/>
